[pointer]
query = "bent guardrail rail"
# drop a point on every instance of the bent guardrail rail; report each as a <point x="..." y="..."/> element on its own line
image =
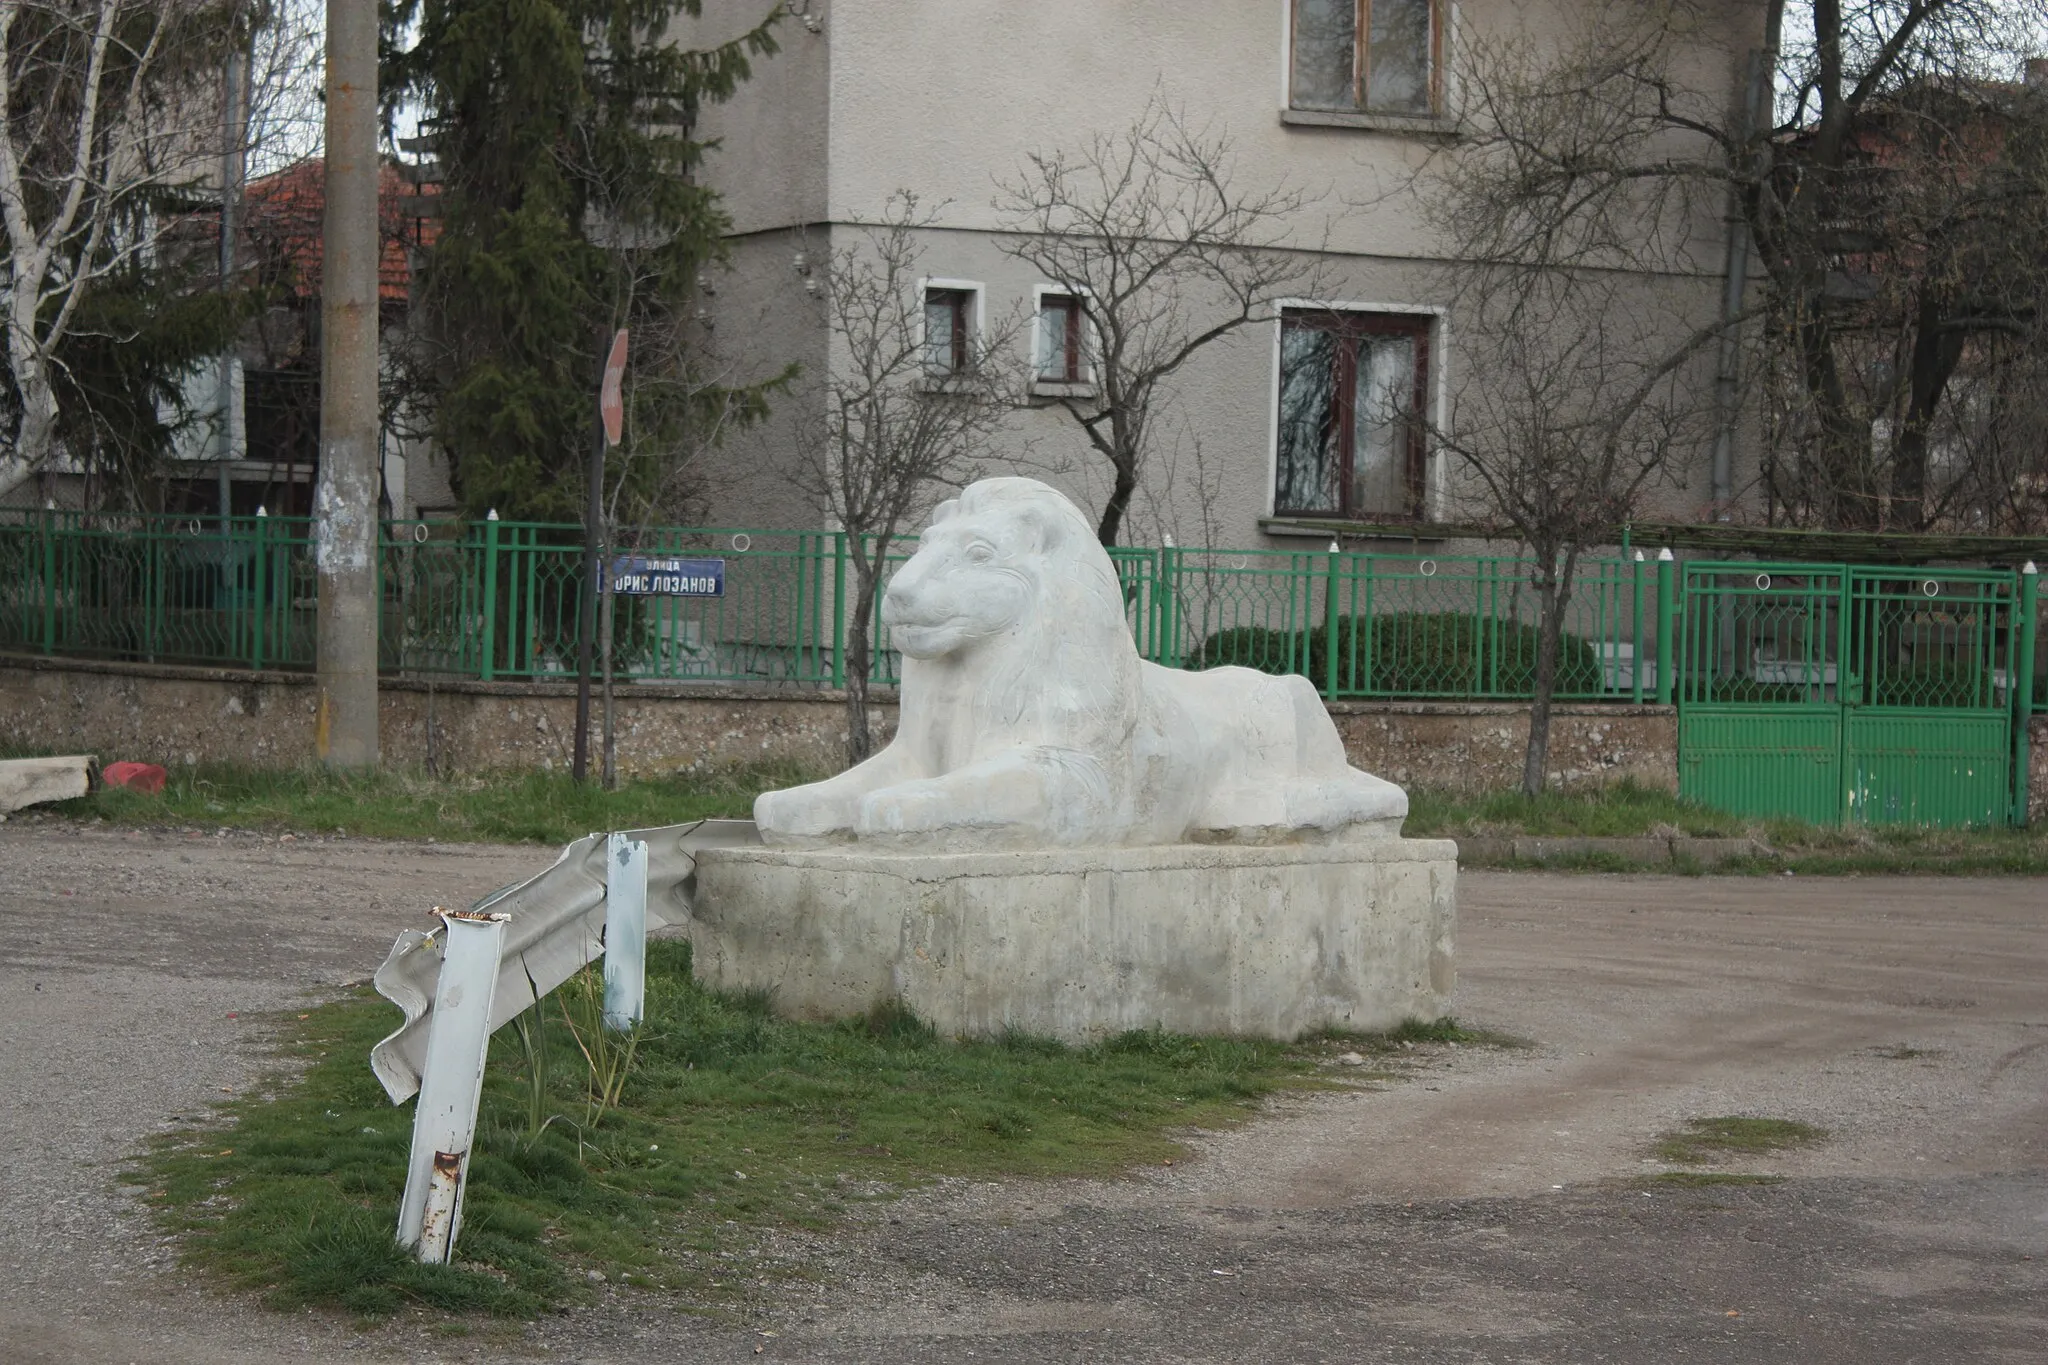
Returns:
<point x="554" y="927"/>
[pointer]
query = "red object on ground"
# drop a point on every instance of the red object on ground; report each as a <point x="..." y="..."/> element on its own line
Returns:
<point x="146" y="778"/>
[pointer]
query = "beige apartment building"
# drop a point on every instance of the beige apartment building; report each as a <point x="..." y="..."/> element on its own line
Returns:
<point x="1269" y="436"/>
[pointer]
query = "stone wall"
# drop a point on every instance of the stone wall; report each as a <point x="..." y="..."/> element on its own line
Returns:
<point x="2037" y="770"/>
<point x="1479" y="747"/>
<point x="204" y="715"/>
<point x="201" y="715"/>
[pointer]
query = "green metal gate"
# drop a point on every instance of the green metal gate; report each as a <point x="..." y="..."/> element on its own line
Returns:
<point x="1840" y="694"/>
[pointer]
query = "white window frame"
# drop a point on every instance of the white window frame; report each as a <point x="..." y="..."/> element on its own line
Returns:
<point x="1435" y="487"/>
<point x="976" y="308"/>
<point x="1042" y="387"/>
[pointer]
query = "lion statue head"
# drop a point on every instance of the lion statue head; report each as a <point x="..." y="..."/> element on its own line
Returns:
<point x="1011" y="575"/>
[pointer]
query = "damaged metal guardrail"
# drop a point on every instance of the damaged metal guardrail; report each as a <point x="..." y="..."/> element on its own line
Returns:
<point x="460" y="983"/>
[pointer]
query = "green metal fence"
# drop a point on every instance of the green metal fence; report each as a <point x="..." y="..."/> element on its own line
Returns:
<point x="499" y="600"/>
<point x="1377" y="625"/>
<point x="1826" y="692"/>
<point x="229" y="591"/>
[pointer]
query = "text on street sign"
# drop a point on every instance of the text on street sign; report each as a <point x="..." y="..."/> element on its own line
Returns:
<point x="645" y="576"/>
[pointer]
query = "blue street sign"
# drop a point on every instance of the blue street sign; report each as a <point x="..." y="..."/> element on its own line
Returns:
<point x="642" y="576"/>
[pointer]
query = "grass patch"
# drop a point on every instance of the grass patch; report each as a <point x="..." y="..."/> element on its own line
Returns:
<point x="1622" y="810"/>
<point x="1445" y="1031"/>
<point x="731" y="1121"/>
<point x="1704" y="1141"/>
<point x="1824" y="852"/>
<point x="545" y="808"/>
<point x="1695" y="1180"/>
<point x="1626" y="810"/>
<point x="548" y="808"/>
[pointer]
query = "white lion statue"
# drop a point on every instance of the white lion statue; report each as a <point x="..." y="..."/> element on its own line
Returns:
<point x="1028" y="719"/>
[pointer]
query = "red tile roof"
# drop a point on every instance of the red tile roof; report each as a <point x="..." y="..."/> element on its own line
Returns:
<point x="281" y="216"/>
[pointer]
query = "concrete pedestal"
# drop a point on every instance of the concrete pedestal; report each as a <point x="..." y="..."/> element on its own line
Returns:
<point x="1077" y="944"/>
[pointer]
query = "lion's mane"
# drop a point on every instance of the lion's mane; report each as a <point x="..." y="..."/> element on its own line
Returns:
<point x="1067" y="676"/>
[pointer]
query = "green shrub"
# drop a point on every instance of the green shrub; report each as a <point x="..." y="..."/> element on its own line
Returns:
<point x="1933" y="682"/>
<point x="1269" y="651"/>
<point x="1446" y="654"/>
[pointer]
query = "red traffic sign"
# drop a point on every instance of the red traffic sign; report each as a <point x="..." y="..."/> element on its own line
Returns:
<point x="611" y="404"/>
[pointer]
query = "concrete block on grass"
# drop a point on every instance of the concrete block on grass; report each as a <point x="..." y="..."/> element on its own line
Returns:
<point x="32" y="781"/>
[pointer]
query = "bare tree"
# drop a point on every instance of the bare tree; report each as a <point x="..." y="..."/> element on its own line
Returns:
<point x="1166" y="254"/>
<point x="1883" y="173"/>
<point x="1927" y="303"/>
<point x="108" y="109"/>
<point x="896" y="420"/>
<point x="1585" y="353"/>
<point x="1578" y="401"/>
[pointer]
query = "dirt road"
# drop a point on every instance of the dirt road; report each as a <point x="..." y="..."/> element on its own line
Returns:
<point x="1482" y="1212"/>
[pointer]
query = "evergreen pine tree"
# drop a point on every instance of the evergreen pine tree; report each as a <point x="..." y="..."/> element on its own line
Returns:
<point x="563" y="129"/>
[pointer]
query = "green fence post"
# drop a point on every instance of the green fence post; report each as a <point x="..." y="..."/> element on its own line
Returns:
<point x="1365" y="635"/>
<point x="490" y="633"/>
<point x="839" y="610"/>
<point x="1635" y="647"/>
<point x="798" y="635"/>
<point x="1667" y="620"/>
<point x="523" y="587"/>
<point x="1166" y="648"/>
<point x="1155" y="609"/>
<point x="2023" y="688"/>
<point x="257" y="575"/>
<point x="1330" y="645"/>
<point x="152" y="589"/>
<point x="49" y="578"/>
<point x="875" y="653"/>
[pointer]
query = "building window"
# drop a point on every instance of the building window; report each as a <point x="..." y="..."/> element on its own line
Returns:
<point x="1060" y="354"/>
<point x="948" y="328"/>
<point x="1366" y="56"/>
<point x="1354" y="395"/>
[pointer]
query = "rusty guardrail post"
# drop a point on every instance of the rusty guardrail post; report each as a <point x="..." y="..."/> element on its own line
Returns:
<point x="625" y="933"/>
<point x="444" y="1118"/>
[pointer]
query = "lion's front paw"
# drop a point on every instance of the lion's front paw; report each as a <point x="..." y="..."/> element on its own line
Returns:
<point x="912" y="808"/>
<point x="802" y="812"/>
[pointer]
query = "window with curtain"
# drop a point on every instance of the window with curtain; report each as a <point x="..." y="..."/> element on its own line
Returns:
<point x="1366" y="56"/>
<point x="1060" y="359"/>
<point x="1354" y="390"/>
<point x="948" y="319"/>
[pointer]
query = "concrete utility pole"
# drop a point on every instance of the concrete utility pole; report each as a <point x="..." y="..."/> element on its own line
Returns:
<point x="345" y="502"/>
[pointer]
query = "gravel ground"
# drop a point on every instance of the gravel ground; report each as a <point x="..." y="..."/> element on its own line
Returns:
<point x="1489" y="1209"/>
